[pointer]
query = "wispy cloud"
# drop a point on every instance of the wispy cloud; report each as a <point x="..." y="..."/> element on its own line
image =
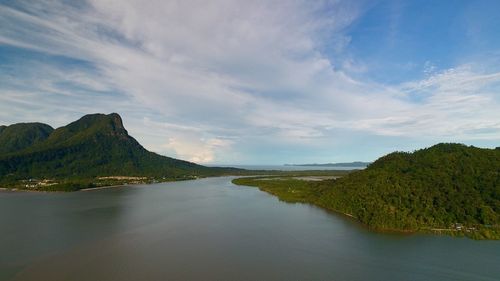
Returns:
<point x="198" y="79"/>
<point x="446" y="105"/>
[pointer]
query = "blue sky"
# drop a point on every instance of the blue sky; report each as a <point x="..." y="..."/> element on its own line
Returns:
<point x="259" y="82"/>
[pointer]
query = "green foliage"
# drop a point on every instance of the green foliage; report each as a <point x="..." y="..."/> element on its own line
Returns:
<point x="434" y="188"/>
<point x="20" y="136"/>
<point x="96" y="145"/>
<point x="68" y="186"/>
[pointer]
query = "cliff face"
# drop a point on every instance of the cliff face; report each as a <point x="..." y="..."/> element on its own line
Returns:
<point x="94" y="145"/>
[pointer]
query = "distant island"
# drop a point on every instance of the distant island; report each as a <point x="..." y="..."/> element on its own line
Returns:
<point x="448" y="188"/>
<point x="355" y="164"/>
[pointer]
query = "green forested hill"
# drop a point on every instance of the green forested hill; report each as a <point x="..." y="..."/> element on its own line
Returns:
<point x="20" y="136"/>
<point x="97" y="145"/>
<point x="440" y="187"/>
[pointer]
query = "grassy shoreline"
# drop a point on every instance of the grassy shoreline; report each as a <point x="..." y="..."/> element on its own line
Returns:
<point x="292" y="190"/>
<point x="82" y="184"/>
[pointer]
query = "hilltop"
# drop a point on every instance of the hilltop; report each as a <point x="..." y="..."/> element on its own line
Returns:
<point x="448" y="188"/>
<point x="95" y="146"/>
<point x="17" y="137"/>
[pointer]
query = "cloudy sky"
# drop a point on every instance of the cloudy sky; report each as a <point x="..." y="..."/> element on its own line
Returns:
<point x="259" y="82"/>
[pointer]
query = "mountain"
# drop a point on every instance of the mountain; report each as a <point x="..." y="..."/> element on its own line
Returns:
<point x="96" y="145"/>
<point x="348" y="164"/>
<point x="450" y="188"/>
<point x="20" y="136"/>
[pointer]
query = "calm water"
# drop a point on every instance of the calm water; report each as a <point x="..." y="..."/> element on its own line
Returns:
<point x="212" y="230"/>
<point x="293" y="168"/>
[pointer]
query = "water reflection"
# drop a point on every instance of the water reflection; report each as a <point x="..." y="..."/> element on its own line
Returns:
<point x="211" y="230"/>
<point x="35" y="225"/>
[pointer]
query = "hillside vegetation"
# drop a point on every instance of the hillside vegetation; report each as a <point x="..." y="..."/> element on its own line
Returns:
<point x="94" y="151"/>
<point x="23" y="135"/>
<point x="94" y="146"/>
<point x="449" y="188"/>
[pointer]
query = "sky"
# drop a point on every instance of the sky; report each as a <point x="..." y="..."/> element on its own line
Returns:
<point x="259" y="82"/>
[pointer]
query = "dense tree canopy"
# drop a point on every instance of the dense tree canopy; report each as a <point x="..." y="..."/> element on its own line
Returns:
<point x="435" y="188"/>
<point x="23" y="135"/>
<point x="96" y="145"/>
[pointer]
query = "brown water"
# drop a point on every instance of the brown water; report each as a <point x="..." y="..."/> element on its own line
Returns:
<point x="212" y="230"/>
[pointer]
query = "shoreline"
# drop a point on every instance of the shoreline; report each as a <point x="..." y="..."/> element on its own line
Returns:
<point x="15" y="190"/>
<point x="5" y="189"/>
<point x="476" y="234"/>
<point x="315" y="173"/>
<point x="105" y="187"/>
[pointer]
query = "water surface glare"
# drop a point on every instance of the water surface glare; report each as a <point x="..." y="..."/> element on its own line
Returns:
<point x="210" y="229"/>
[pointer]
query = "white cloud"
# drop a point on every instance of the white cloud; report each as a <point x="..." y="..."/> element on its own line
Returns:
<point x="448" y="105"/>
<point x="196" y="150"/>
<point x="455" y="81"/>
<point x="204" y="72"/>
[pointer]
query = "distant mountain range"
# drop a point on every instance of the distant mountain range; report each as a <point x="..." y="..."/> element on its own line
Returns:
<point x="348" y="164"/>
<point x="96" y="145"/>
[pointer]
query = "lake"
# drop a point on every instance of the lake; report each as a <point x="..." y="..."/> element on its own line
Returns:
<point x="210" y="229"/>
